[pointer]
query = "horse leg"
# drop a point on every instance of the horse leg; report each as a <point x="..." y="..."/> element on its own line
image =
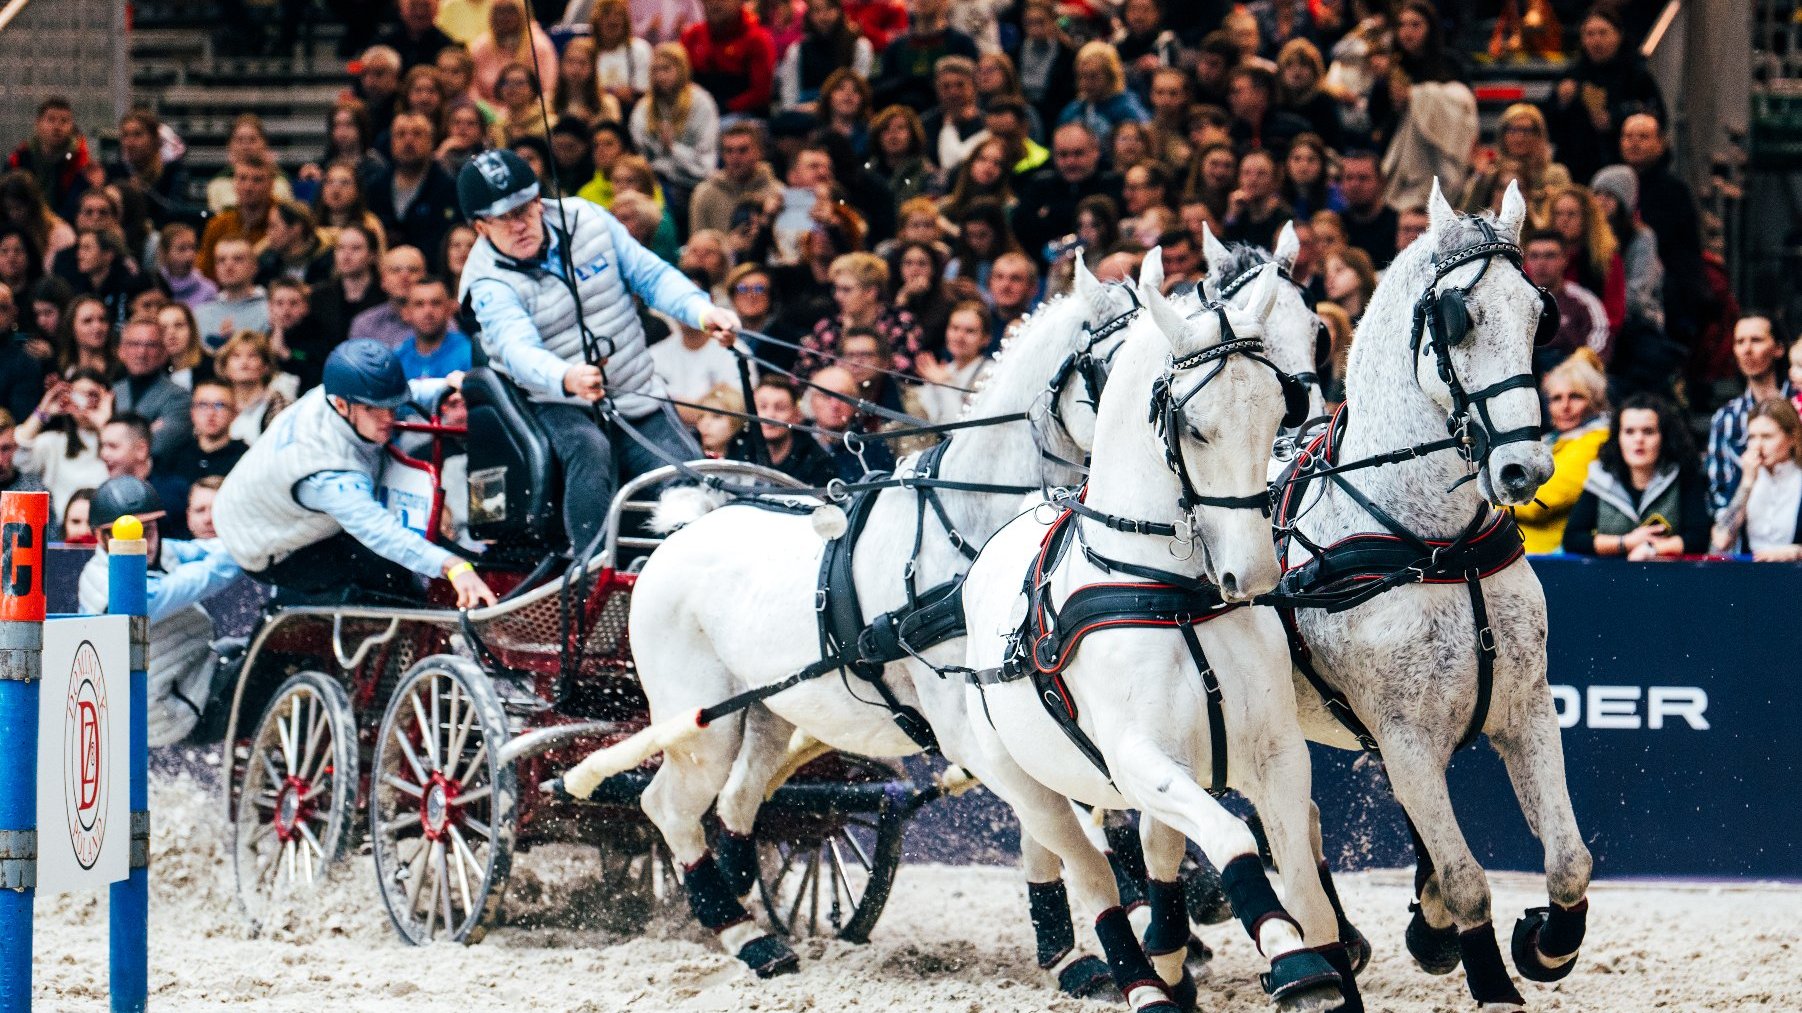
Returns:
<point x="1282" y="785"/>
<point x="763" y="752"/>
<point x="1356" y="945"/>
<point x="1299" y="978"/>
<point x="1546" y="940"/>
<point x="1417" y="774"/>
<point x="1079" y="974"/>
<point x="1047" y="817"/>
<point x="1167" y="936"/>
<point x="676" y="801"/>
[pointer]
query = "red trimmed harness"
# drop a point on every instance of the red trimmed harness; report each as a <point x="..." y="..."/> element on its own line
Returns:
<point x="1048" y="636"/>
<point x="1359" y="567"/>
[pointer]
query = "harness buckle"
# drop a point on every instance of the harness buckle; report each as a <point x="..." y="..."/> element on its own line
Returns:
<point x="957" y="539"/>
<point x="907" y="572"/>
<point x="1486" y="639"/>
<point x="819" y="599"/>
<point x="1209" y="682"/>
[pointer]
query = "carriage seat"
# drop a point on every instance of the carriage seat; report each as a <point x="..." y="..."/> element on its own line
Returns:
<point x="513" y="474"/>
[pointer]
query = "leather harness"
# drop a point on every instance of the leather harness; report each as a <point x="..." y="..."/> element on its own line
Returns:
<point x="1357" y="568"/>
<point x="1048" y="637"/>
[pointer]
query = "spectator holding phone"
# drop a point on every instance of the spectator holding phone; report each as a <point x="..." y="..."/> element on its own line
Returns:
<point x="59" y="444"/>
<point x="1645" y="495"/>
<point x="1765" y="516"/>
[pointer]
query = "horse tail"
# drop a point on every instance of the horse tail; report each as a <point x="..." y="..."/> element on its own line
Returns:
<point x="684" y="504"/>
<point x="585" y="777"/>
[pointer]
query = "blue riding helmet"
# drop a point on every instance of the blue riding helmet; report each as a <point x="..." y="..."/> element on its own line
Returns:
<point x="366" y="372"/>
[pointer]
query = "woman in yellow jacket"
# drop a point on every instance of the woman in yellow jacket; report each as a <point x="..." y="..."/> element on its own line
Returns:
<point x="1576" y="394"/>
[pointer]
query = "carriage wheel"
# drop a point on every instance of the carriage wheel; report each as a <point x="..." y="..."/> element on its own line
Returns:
<point x="441" y="805"/>
<point x="296" y="792"/>
<point x="836" y="879"/>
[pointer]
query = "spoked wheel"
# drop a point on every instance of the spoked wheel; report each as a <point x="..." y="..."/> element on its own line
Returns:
<point x="296" y="792"/>
<point x="441" y="804"/>
<point x="831" y="874"/>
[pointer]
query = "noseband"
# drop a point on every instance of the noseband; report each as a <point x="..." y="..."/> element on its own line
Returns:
<point x="1091" y="368"/>
<point x="1443" y="319"/>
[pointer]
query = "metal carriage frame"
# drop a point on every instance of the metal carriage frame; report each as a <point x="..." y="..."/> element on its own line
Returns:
<point x="420" y="734"/>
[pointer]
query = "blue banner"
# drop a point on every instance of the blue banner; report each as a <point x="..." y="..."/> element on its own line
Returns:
<point x="1677" y="687"/>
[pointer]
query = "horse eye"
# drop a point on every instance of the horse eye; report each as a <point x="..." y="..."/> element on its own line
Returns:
<point x="1195" y="434"/>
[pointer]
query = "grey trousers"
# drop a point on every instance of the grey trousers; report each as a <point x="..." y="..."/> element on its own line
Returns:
<point x="597" y="458"/>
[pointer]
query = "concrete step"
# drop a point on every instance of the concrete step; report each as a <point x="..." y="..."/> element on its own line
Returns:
<point x="248" y="98"/>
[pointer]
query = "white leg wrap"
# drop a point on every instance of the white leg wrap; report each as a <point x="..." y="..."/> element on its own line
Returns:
<point x="1554" y="961"/>
<point x="1145" y="995"/>
<point x="734" y="937"/>
<point x="1277" y="937"/>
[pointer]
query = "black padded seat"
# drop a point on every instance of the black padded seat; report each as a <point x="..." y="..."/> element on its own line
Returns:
<point x="513" y="475"/>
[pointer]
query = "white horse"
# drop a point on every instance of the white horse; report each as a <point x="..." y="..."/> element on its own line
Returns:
<point x="727" y="605"/>
<point x="1148" y="728"/>
<point x="1406" y="664"/>
<point x="1293" y="329"/>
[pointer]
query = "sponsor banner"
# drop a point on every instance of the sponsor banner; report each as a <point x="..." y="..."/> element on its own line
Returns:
<point x="1677" y="691"/>
<point x="84" y="751"/>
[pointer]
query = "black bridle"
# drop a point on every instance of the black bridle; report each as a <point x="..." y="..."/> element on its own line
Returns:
<point x="1307" y="378"/>
<point x="1091" y="368"/>
<point x="1166" y="411"/>
<point x="1443" y="319"/>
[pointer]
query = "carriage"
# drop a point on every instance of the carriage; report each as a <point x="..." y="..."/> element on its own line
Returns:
<point x="419" y="734"/>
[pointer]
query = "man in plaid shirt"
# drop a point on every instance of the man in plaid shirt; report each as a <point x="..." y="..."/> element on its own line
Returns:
<point x="1760" y="356"/>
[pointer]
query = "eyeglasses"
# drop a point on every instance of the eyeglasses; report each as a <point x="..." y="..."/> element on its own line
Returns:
<point x="750" y="289"/>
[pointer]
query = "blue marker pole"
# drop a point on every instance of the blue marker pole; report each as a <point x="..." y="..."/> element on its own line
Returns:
<point x="24" y="518"/>
<point x="127" y="593"/>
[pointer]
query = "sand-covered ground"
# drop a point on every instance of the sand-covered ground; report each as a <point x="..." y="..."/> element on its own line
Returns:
<point x="954" y="939"/>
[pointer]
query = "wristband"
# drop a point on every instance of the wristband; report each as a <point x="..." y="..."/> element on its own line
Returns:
<point x="459" y="570"/>
<point x="42" y="416"/>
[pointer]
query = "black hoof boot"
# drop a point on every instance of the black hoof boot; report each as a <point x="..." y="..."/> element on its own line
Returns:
<point x="1357" y="948"/>
<point x="737" y="858"/>
<point x="1435" y="950"/>
<point x="1088" y="977"/>
<point x="1203" y="895"/>
<point x="1200" y="959"/>
<point x="1340" y="956"/>
<point x="1303" y="980"/>
<point x="768" y="957"/>
<point x="1184" y="992"/>
<point x="1554" y="932"/>
<point x="1484" y="971"/>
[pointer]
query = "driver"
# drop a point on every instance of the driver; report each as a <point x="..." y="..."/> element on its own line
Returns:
<point x="181" y="575"/>
<point x="551" y="283"/>
<point x="300" y="510"/>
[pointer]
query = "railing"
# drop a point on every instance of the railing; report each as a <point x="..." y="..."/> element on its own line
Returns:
<point x="72" y="48"/>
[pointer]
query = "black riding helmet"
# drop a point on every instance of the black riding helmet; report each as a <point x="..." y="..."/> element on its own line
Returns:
<point x="120" y="496"/>
<point x="494" y="183"/>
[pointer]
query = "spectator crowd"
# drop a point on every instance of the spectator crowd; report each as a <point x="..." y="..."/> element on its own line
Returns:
<point x="881" y="191"/>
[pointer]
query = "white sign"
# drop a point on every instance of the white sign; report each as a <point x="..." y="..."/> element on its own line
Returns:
<point x="408" y="491"/>
<point x="84" y="754"/>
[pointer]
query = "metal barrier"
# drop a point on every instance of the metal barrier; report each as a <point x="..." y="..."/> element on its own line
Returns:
<point x="73" y="48"/>
<point x="28" y="841"/>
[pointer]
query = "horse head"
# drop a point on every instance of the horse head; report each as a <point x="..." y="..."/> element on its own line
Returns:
<point x="1293" y="330"/>
<point x="1075" y="391"/>
<point x="1215" y="411"/>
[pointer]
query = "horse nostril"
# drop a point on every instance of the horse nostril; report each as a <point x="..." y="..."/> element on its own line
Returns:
<point x="1514" y="477"/>
<point x="1229" y="586"/>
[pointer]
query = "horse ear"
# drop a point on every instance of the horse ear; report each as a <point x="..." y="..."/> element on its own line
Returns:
<point x="1288" y="244"/>
<point x="1439" y="211"/>
<point x="1213" y="250"/>
<point x="1151" y="271"/>
<point x="1514" y="212"/>
<point x="1164" y="315"/>
<point x="1263" y="293"/>
<point x="1088" y="288"/>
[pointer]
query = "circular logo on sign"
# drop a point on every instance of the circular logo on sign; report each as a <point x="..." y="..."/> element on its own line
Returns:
<point x="85" y="783"/>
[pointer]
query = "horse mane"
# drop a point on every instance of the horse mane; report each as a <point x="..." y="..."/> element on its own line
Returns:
<point x="1007" y="341"/>
<point x="1240" y="260"/>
